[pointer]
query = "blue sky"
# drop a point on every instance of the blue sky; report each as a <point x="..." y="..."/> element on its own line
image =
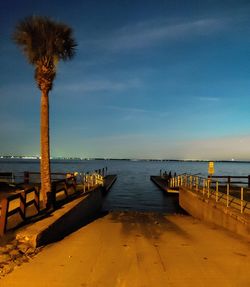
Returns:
<point x="151" y="79"/>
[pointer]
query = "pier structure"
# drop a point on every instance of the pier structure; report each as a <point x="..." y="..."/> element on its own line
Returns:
<point x="23" y="203"/>
<point x="163" y="182"/>
<point x="223" y="204"/>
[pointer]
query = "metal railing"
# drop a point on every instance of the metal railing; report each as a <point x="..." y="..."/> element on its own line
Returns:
<point x="29" y="177"/>
<point x="232" y="180"/>
<point x="6" y="177"/>
<point x="87" y="181"/>
<point x="17" y="208"/>
<point x="236" y="197"/>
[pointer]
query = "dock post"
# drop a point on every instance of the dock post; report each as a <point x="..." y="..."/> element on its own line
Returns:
<point x="88" y="181"/>
<point x="227" y="195"/>
<point x="248" y="181"/>
<point x="3" y="217"/>
<point x="241" y="200"/>
<point x="26" y="176"/>
<point x="217" y="189"/>
<point x="208" y="188"/>
<point x="84" y="181"/>
<point x="204" y="186"/>
<point x="95" y="179"/>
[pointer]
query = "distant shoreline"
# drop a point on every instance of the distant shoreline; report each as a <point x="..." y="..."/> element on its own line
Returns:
<point x="27" y="159"/>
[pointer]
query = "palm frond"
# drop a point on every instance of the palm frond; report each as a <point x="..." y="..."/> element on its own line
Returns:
<point x="40" y="37"/>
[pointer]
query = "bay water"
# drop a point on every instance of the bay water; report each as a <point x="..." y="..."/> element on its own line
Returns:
<point x="133" y="189"/>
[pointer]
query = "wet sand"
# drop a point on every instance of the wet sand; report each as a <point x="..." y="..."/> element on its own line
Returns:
<point x="139" y="249"/>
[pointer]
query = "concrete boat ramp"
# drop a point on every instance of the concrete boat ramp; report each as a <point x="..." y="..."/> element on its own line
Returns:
<point x="119" y="249"/>
<point x="139" y="249"/>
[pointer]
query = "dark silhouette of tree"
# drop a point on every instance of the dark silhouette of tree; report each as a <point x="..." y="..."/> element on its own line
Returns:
<point x="44" y="42"/>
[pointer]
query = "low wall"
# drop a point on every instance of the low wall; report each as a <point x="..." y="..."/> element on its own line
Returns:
<point x="62" y="221"/>
<point x="214" y="212"/>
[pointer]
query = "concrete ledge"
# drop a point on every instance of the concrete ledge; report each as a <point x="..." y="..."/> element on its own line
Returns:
<point x="62" y="221"/>
<point x="212" y="212"/>
<point x="163" y="185"/>
<point x="159" y="182"/>
<point x="109" y="180"/>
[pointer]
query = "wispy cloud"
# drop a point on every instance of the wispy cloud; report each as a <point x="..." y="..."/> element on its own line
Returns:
<point x="101" y="85"/>
<point x="149" y="33"/>
<point x="127" y="109"/>
<point x="208" y="99"/>
<point x="132" y="112"/>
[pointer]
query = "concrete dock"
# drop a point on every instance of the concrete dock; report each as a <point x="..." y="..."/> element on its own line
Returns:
<point x="10" y="221"/>
<point x="162" y="184"/>
<point x="139" y="249"/>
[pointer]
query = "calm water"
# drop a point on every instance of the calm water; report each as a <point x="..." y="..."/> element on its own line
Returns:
<point x="133" y="188"/>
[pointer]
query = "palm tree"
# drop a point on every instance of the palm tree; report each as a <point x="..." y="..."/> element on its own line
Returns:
<point x="44" y="42"/>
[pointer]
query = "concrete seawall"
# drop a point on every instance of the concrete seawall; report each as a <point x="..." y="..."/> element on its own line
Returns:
<point x="214" y="212"/>
<point x="62" y="221"/>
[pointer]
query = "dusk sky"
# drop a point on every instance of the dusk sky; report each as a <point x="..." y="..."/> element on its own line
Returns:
<point x="150" y="79"/>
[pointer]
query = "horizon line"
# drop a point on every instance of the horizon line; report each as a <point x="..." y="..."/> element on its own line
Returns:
<point x="123" y="159"/>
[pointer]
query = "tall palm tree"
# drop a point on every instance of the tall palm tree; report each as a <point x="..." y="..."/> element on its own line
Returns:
<point x="44" y="42"/>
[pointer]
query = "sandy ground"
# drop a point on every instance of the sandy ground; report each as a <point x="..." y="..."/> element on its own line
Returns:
<point x="139" y="249"/>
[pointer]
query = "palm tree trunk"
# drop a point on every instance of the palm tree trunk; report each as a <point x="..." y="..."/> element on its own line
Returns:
<point x="45" y="147"/>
